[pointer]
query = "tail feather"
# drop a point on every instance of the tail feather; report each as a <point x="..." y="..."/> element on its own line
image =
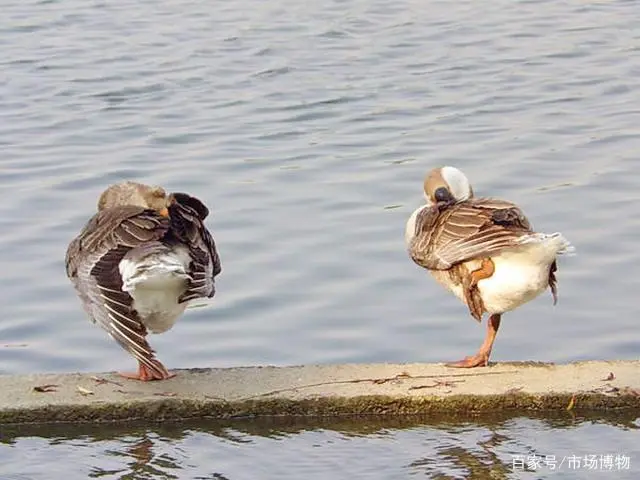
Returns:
<point x="557" y="240"/>
<point x="156" y="271"/>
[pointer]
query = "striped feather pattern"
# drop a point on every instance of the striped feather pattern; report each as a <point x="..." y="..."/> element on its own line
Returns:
<point x="93" y="258"/>
<point x="450" y="233"/>
<point x="187" y="214"/>
<point x="92" y="261"/>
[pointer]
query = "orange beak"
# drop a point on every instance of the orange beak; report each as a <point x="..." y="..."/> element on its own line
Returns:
<point x="164" y="212"/>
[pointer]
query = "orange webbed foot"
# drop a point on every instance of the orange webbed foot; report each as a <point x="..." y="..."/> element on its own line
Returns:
<point x="477" y="360"/>
<point x="481" y="359"/>
<point x="146" y="374"/>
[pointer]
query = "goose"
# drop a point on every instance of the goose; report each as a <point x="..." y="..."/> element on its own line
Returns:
<point x="483" y="250"/>
<point x="138" y="262"/>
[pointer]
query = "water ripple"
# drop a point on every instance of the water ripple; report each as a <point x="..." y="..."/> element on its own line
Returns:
<point x="300" y="124"/>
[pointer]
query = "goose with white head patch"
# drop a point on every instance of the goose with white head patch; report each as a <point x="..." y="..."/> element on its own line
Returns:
<point x="483" y="250"/>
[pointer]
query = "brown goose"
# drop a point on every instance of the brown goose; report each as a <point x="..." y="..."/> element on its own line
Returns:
<point x="137" y="263"/>
<point x="483" y="250"/>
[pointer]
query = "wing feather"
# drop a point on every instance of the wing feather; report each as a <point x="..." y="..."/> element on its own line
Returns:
<point x="92" y="263"/>
<point x="187" y="225"/>
<point x="454" y="233"/>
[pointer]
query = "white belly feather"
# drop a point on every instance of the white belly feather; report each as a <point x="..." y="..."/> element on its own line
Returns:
<point x="520" y="274"/>
<point x="155" y="282"/>
<point x="517" y="279"/>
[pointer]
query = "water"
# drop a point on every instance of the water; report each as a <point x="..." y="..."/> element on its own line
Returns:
<point x="307" y="128"/>
<point x="492" y="448"/>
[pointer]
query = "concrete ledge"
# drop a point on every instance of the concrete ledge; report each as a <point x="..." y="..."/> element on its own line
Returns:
<point x="379" y="389"/>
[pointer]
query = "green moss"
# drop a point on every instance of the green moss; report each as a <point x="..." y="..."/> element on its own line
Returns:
<point x="181" y="409"/>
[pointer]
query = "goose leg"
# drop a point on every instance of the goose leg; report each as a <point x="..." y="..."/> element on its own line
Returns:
<point x="487" y="268"/>
<point x="481" y="359"/>
<point x="146" y="374"/>
<point x="471" y="293"/>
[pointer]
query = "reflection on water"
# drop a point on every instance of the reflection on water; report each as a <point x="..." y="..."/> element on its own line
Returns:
<point x="138" y="459"/>
<point x="441" y="448"/>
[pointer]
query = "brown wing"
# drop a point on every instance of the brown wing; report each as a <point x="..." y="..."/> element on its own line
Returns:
<point x="187" y="215"/>
<point x="92" y="262"/>
<point x="475" y="228"/>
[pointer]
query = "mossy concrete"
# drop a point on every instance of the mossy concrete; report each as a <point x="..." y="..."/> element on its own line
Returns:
<point x="371" y="389"/>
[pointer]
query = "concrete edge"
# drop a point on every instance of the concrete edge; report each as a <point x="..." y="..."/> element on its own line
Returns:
<point x="331" y="390"/>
